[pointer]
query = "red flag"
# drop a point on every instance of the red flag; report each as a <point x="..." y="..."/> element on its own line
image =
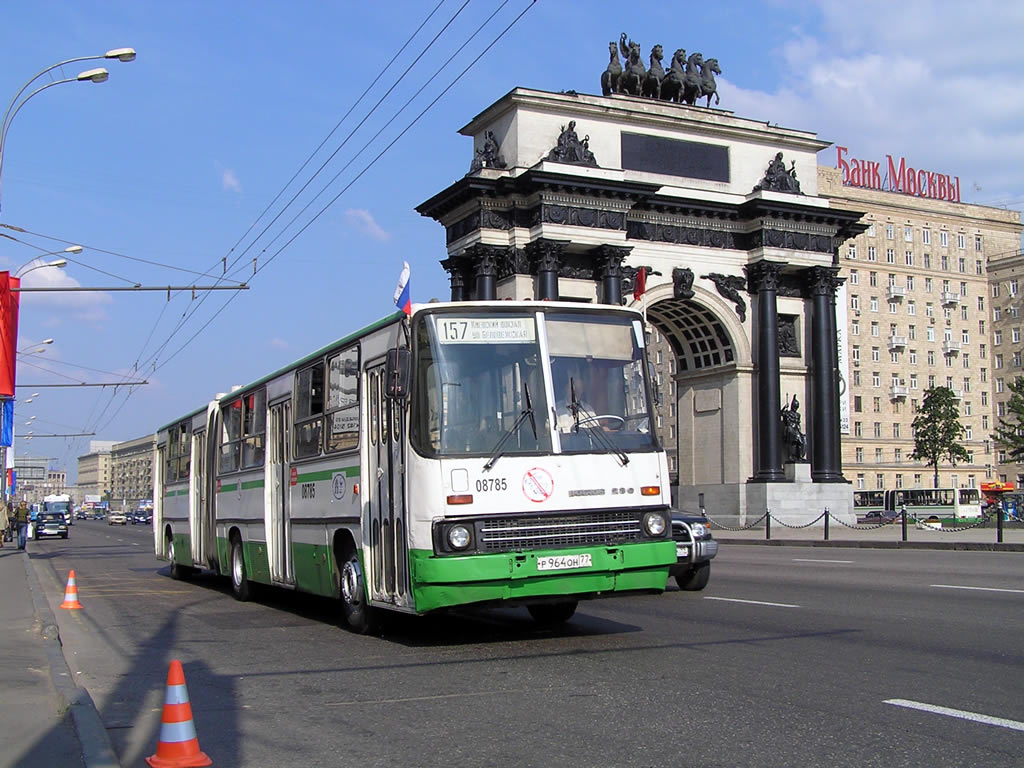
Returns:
<point x="8" y="332"/>
<point x="640" y="283"/>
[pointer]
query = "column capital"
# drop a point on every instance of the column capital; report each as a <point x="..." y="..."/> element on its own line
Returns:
<point x="485" y="260"/>
<point x="822" y="281"/>
<point x="545" y="255"/>
<point x="609" y="259"/>
<point x="764" y="275"/>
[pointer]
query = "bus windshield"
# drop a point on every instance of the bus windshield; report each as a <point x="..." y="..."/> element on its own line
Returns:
<point x="478" y="372"/>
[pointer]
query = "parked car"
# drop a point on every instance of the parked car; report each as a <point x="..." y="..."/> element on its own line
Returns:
<point x="695" y="549"/>
<point x="51" y="524"/>
<point x="117" y="518"/>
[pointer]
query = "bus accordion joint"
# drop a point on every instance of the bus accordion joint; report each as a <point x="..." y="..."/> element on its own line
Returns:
<point x="460" y="498"/>
<point x="650" y="490"/>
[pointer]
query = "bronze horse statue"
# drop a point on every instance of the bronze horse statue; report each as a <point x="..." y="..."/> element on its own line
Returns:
<point x="655" y="74"/>
<point x="672" y="83"/>
<point x="633" y="73"/>
<point x="692" y="87"/>
<point x="708" y="86"/>
<point x="611" y="76"/>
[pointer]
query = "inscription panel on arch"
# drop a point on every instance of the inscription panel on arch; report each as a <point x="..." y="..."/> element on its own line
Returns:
<point x="675" y="157"/>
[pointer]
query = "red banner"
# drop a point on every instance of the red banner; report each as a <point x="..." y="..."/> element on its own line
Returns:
<point x="8" y="332"/>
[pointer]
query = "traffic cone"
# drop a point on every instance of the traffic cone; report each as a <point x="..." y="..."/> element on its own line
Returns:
<point x="178" y="746"/>
<point x="71" y="594"/>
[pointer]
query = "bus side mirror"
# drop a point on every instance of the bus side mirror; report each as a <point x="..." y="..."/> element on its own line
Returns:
<point x="397" y="374"/>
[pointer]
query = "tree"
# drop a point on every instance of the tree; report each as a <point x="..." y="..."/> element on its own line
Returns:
<point x="938" y="431"/>
<point x="1009" y="432"/>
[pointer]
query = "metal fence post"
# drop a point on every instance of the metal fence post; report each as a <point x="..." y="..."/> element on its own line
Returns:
<point x="903" y="518"/>
<point x="999" y="524"/>
<point x="767" y="524"/>
<point x="826" y="523"/>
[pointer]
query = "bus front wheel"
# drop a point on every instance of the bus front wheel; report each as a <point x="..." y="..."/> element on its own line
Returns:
<point x="552" y="614"/>
<point x="239" y="581"/>
<point x="359" y="616"/>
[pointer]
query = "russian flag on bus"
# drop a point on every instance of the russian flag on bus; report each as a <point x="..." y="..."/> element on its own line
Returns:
<point x="402" y="299"/>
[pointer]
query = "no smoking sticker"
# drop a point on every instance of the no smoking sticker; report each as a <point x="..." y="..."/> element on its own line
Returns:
<point x="538" y="484"/>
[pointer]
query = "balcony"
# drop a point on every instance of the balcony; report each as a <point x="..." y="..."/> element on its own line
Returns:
<point x="897" y="292"/>
<point x="897" y="342"/>
<point x="898" y="392"/>
<point x="948" y="297"/>
<point x="951" y="347"/>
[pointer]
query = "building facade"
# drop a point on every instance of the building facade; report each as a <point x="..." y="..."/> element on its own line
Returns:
<point x="918" y="315"/>
<point x="132" y="471"/>
<point x="1006" y="281"/>
<point x="94" y="476"/>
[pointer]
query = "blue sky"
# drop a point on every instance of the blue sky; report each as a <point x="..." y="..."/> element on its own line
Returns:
<point x="165" y="170"/>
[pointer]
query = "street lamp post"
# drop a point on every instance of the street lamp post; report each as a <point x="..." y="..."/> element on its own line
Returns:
<point x="97" y="75"/>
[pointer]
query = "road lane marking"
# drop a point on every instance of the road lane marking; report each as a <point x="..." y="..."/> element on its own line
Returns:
<point x="816" y="560"/>
<point x="979" y="589"/>
<point x="405" y="699"/>
<point x="1002" y="722"/>
<point x="751" y="602"/>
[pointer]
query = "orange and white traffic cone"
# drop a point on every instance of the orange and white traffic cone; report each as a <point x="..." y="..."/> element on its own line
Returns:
<point x="71" y="594"/>
<point x="178" y="746"/>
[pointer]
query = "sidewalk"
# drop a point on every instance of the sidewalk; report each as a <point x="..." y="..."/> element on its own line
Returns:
<point x="884" y="537"/>
<point x="47" y="720"/>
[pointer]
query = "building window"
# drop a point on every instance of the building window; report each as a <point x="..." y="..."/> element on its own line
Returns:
<point x="858" y="429"/>
<point x="872" y="253"/>
<point x="874" y="304"/>
<point x="876" y="379"/>
<point x="854" y="301"/>
<point x="895" y="429"/>
<point x="890" y="255"/>
<point x="927" y="261"/>
<point x="977" y="243"/>
<point x="944" y="238"/>
<point x="859" y="455"/>
<point x="889" y="232"/>
<point x="908" y="235"/>
<point x="926" y="236"/>
<point x="899" y="480"/>
<point x="880" y="482"/>
<point x="873" y="279"/>
<point x="851" y="252"/>
<point x="854" y="277"/>
<point x="878" y="429"/>
<point x="944" y="262"/>
<point x="909" y="258"/>
<point x="874" y="355"/>
<point x="860" y="480"/>
<point x="879" y="455"/>
<point x="961" y="241"/>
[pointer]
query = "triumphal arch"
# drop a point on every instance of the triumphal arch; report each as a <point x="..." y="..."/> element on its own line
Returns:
<point x="571" y="196"/>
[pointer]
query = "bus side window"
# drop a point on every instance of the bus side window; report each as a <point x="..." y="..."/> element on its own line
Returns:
<point x="309" y="409"/>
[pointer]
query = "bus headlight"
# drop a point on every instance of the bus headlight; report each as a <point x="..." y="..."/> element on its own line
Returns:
<point x="458" y="537"/>
<point x="654" y="524"/>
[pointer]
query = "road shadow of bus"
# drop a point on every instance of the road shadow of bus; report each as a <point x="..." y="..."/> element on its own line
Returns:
<point x="462" y="626"/>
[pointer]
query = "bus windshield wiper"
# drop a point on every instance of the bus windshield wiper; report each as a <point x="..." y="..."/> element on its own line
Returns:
<point x="594" y="429"/>
<point x="526" y="413"/>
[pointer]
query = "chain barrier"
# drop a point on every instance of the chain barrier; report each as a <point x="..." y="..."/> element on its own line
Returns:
<point x="860" y="527"/>
<point x="730" y="528"/>
<point x="798" y="527"/>
<point x="926" y="524"/>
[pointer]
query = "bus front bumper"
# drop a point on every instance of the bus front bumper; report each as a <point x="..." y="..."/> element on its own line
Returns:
<point x="443" y="582"/>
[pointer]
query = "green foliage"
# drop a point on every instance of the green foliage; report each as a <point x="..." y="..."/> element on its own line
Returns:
<point x="1009" y="433"/>
<point x="938" y="431"/>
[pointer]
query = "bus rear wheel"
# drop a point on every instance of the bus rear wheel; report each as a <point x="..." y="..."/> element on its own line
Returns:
<point x="552" y="614"/>
<point x="358" y="615"/>
<point x="239" y="581"/>
<point x="178" y="571"/>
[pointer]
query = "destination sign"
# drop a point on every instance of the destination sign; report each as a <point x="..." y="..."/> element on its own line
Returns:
<point x="485" y="330"/>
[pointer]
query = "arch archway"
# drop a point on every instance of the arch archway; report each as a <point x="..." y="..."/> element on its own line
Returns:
<point x="706" y="374"/>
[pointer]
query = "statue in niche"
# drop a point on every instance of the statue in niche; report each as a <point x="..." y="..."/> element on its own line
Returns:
<point x="788" y="345"/>
<point x="794" y="441"/>
<point x="730" y="286"/>
<point x="489" y="156"/>
<point x="778" y="179"/>
<point x="569" y="148"/>
<point x="682" y="283"/>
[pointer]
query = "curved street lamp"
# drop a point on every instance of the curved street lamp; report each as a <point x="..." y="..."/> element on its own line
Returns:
<point x="97" y="75"/>
<point x="75" y="249"/>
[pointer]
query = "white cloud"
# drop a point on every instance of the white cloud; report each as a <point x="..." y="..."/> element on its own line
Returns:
<point x="58" y="307"/>
<point x="230" y="181"/>
<point x="363" y="221"/>
<point x="936" y="82"/>
<point x="277" y="343"/>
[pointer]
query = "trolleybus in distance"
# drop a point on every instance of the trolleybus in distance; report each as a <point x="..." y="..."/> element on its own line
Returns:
<point x="954" y="505"/>
<point x="472" y="453"/>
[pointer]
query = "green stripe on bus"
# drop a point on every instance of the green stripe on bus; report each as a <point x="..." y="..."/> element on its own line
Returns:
<point x="248" y="485"/>
<point x="327" y="474"/>
<point x="441" y="582"/>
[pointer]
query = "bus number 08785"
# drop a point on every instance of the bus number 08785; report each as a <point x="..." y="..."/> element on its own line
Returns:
<point x="486" y="484"/>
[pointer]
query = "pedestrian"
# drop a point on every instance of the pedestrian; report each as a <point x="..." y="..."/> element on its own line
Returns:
<point x="5" y="521"/>
<point x="21" y="521"/>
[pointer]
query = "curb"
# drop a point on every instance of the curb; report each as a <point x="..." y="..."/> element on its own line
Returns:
<point x="974" y="546"/>
<point x="97" y="751"/>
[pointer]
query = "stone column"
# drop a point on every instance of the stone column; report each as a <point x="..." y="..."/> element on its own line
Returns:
<point x="485" y="260"/>
<point x="456" y="277"/>
<point x="824" y="423"/>
<point x="545" y="260"/>
<point x="608" y="259"/>
<point x="764" y="280"/>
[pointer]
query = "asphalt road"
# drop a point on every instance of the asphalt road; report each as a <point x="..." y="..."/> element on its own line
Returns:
<point x="788" y="658"/>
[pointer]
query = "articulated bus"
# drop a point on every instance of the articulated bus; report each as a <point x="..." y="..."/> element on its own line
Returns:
<point x="472" y="453"/>
<point x="952" y="504"/>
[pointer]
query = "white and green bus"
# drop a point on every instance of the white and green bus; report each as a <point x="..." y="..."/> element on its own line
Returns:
<point x="471" y="453"/>
<point x="953" y="505"/>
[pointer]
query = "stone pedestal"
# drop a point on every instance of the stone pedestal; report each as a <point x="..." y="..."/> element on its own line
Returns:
<point x="797" y="471"/>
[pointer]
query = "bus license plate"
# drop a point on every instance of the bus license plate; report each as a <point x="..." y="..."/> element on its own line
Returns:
<point x="564" y="562"/>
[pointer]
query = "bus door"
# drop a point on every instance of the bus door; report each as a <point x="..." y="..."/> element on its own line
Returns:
<point x="388" y="567"/>
<point x="279" y="530"/>
<point x="197" y="498"/>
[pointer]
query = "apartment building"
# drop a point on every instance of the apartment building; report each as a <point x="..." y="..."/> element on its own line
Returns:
<point x="920" y="313"/>
<point x="132" y="471"/>
<point x="1006" y="283"/>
